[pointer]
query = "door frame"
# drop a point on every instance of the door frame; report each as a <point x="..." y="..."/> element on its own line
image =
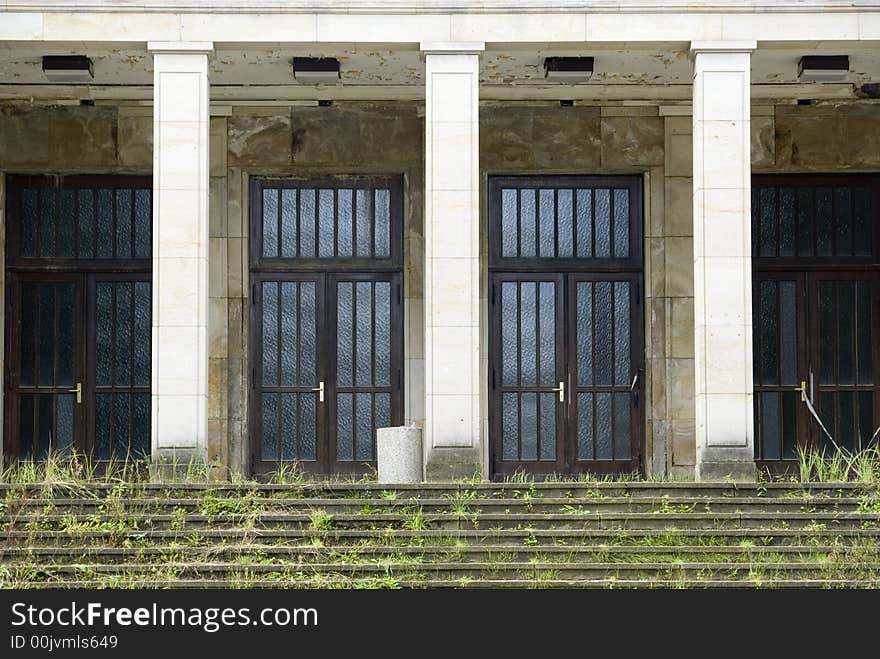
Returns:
<point x="569" y="270"/>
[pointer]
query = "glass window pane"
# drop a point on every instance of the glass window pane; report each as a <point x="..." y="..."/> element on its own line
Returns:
<point x="547" y="326"/>
<point x="826" y="332"/>
<point x="308" y="335"/>
<point x="364" y="223"/>
<point x="269" y="434"/>
<point x="326" y="218"/>
<point x="823" y="221"/>
<point x="584" y="333"/>
<point x="528" y="338"/>
<point x="363" y="410"/>
<point x="768" y="319"/>
<point x="64" y="424"/>
<point x="47" y="334"/>
<point x="770" y="425"/>
<point x="584" y="202"/>
<point x="547" y="223"/>
<point x="790" y="402"/>
<point x="45" y="432"/>
<point x="866" y="419"/>
<point x="103" y="333"/>
<point x="509" y="334"/>
<point x="143" y="220"/>
<point x="307" y="223"/>
<point x="288" y="223"/>
<point x="509" y="227"/>
<point x="121" y="425"/>
<point x="565" y="223"/>
<point x="142" y="333"/>
<point x="585" y="426"/>
<point x="862" y="221"/>
<point x="123" y="347"/>
<point x="26" y="425"/>
<point x="786" y="222"/>
<point x="863" y="333"/>
<point x="843" y="211"/>
<point x="344" y="217"/>
<point x="29" y="221"/>
<point x="66" y="222"/>
<point x="846" y="435"/>
<point x="602" y="353"/>
<point x="767" y="246"/>
<point x="788" y="332"/>
<point x="622" y="374"/>
<point x="510" y="426"/>
<point x="529" y="425"/>
<point x="123" y="223"/>
<point x="288" y="334"/>
<point x="85" y="214"/>
<point x="602" y="223"/>
<point x="621" y="223"/>
<point x="344" y="426"/>
<point x="806" y="205"/>
<point x="47" y="221"/>
<point x="364" y="334"/>
<point x="383" y="224"/>
<point x="102" y="425"/>
<point x="30" y="304"/>
<point x="270" y="333"/>
<point x="288" y="429"/>
<point x="382" y="330"/>
<point x="622" y="427"/>
<point x="344" y="333"/>
<point x="140" y="441"/>
<point x="527" y="226"/>
<point x="270" y="222"/>
<point x="845" y="356"/>
<point x="603" y="426"/>
<point x="382" y="403"/>
<point x="548" y="426"/>
<point x="65" y="348"/>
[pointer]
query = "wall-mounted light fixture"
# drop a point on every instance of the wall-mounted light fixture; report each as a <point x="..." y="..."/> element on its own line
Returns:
<point x="823" y="67"/>
<point x="316" y="70"/>
<point x="568" y="69"/>
<point x="68" y="68"/>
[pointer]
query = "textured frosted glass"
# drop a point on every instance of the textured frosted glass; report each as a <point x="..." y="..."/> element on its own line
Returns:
<point x="866" y="419"/>
<point x="509" y="335"/>
<point x="363" y="334"/>
<point x="584" y="333"/>
<point x="805" y="208"/>
<point x="105" y="236"/>
<point x="790" y="405"/>
<point x="270" y="333"/>
<point x="46" y="416"/>
<point x="142" y="333"/>
<point x="103" y="333"/>
<point x="584" y="202"/>
<point x="565" y="223"/>
<point x="622" y="434"/>
<point x="344" y="334"/>
<point x="363" y="427"/>
<point x="288" y="426"/>
<point x="64" y="424"/>
<point x="786" y="222"/>
<point x="509" y="228"/>
<point x="548" y="426"/>
<point x="843" y="210"/>
<point x="47" y="334"/>
<point x="140" y="440"/>
<point x="270" y="222"/>
<point x="26" y="425"/>
<point x="528" y="338"/>
<point x="823" y="221"/>
<point x="123" y="334"/>
<point x="603" y="223"/>
<point x="29" y="340"/>
<point x="288" y="333"/>
<point x="770" y="425"/>
<point x="123" y="223"/>
<point x="621" y="333"/>
<point x="102" y="426"/>
<point x="547" y="326"/>
<point x="288" y="223"/>
<point x="826" y="332"/>
<point x="344" y="217"/>
<point x="845" y="435"/>
<point x="307" y="223"/>
<point x="66" y="222"/>
<point x="143" y="220"/>
<point x="585" y="426"/>
<point x="47" y="222"/>
<point x="364" y="223"/>
<point x="510" y="426"/>
<point x="767" y="199"/>
<point x="788" y="332"/>
<point x="121" y="424"/>
<point x="845" y="361"/>
<point x="603" y="426"/>
<point x="326" y="230"/>
<point x="269" y="438"/>
<point x="382" y="329"/>
<point x="527" y="223"/>
<point x="344" y="427"/>
<point x="767" y="311"/>
<point x="29" y="221"/>
<point x="602" y="333"/>
<point x="862" y="221"/>
<point x="529" y="425"/>
<point x="621" y="223"/>
<point x="64" y="347"/>
<point x="308" y="336"/>
<point x="383" y="224"/>
<point x="382" y="403"/>
<point x="546" y="223"/>
<point x="85" y="220"/>
<point x="863" y="333"/>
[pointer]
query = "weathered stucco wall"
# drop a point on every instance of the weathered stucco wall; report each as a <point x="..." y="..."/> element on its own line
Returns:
<point x="388" y="139"/>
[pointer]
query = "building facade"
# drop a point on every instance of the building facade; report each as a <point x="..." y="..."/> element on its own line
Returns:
<point x="654" y="267"/>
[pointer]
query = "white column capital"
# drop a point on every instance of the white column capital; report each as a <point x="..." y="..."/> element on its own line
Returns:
<point x="180" y="47"/>
<point x="452" y="47"/>
<point x="746" y="46"/>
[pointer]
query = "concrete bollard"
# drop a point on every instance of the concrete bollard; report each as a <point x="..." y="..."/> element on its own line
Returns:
<point x="399" y="454"/>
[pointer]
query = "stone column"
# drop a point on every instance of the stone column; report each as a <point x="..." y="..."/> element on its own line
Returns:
<point x="722" y="260"/>
<point x="452" y="260"/>
<point x="180" y="249"/>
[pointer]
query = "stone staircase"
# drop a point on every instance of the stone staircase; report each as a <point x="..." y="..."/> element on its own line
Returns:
<point x="364" y="535"/>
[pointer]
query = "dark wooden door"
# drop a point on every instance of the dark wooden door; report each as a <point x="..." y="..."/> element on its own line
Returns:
<point x="44" y="412"/>
<point x="327" y="370"/>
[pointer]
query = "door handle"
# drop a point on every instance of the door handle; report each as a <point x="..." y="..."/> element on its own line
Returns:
<point x="561" y="390"/>
<point x="79" y="392"/>
<point x="320" y="390"/>
<point x="803" y="391"/>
